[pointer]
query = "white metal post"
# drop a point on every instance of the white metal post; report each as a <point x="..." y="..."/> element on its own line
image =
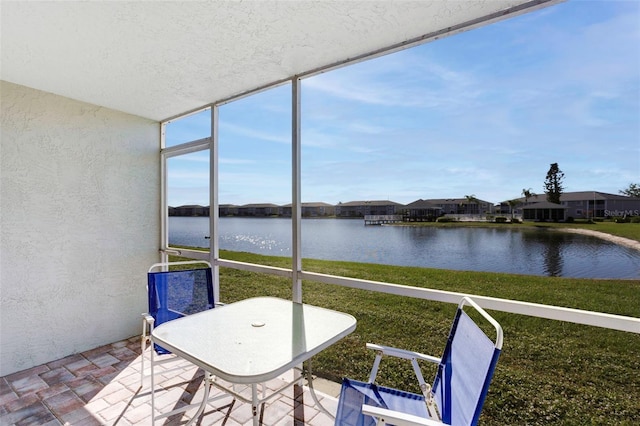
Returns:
<point x="296" y="192"/>
<point x="214" y="245"/>
<point x="164" y="233"/>
<point x="296" y="219"/>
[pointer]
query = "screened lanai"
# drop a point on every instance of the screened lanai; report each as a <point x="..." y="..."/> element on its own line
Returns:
<point x="87" y="91"/>
<point x="85" y="87"/>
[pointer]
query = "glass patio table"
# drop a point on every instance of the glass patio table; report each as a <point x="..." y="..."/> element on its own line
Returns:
<point x="252" y="341"/>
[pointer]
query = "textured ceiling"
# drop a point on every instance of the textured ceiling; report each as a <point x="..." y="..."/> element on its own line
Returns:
<point x="160" y="59"/>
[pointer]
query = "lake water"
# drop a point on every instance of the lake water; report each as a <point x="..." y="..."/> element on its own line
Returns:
<point x="509" y="249"/>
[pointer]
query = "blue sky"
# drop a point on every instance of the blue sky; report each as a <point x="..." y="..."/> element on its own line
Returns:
<point x="484" y="112"/>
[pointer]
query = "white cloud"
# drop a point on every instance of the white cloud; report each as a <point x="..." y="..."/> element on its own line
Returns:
<point x="202" y="157"/>
<point x="235" y="161"/>
<point x="253" y="134"/>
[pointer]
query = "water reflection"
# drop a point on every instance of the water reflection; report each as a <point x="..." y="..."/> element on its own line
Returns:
<point x="553" y="258"/>
<point x="550" y="245"/>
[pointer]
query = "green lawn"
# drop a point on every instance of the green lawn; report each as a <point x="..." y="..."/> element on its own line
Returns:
<point x="550" y="372"/>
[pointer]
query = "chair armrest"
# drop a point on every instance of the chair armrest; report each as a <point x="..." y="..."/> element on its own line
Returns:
<point x="148" y="319"/>
<point x="147" y="327"/>
<point x="397" y="418"/>
<point x="402" y="353"/>
<point x="411" y="356"/>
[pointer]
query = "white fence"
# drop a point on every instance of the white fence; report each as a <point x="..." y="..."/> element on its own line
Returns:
<point x="578" y="316"/>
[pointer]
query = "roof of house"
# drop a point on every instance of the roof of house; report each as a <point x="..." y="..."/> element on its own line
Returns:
<point x="190" y="206"/>
<point x="369" y="203"/>
<point x="423" y="204"/>
<point x="578" y="196"/>
<point x="258" y="206"/>
<point x="315" y="204"/>
<point x="454" y="201"/>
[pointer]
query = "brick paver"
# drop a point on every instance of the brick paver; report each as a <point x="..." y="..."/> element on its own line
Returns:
<point x="102" y="387"/>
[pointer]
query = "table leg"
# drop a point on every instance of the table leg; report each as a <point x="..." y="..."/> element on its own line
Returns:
<point x="207" y="385"/>
<point x="153" y="390"/>
<point x="255" y="404"/>
<point x="298" y="405"/>
<point x="312" y="391"/>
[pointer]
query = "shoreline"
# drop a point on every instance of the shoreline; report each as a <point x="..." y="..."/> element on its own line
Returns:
<point x="633" y="244"/>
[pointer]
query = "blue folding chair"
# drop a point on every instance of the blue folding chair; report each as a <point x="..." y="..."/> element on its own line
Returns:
<point x="173" y="294"/>
<point x="458" y="391"/>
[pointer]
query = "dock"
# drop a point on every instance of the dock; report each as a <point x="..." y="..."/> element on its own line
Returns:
<point x="381" y="219"/>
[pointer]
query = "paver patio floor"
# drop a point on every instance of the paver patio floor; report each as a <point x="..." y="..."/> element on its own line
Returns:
<point x="102" y="387"/>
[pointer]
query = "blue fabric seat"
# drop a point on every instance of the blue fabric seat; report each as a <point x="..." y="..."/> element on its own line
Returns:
<point x="173" y="294"/>
<point x="458" y="391"/>
<point x="354" y="394"/>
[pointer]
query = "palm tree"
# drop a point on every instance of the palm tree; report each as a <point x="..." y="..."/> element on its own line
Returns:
<point x="528" y="193"/>
<point x="512" y="204"/>
<point x="471" y="199"/>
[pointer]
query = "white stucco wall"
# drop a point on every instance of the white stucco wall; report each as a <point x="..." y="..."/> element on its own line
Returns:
<point x="79" y="197"/>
